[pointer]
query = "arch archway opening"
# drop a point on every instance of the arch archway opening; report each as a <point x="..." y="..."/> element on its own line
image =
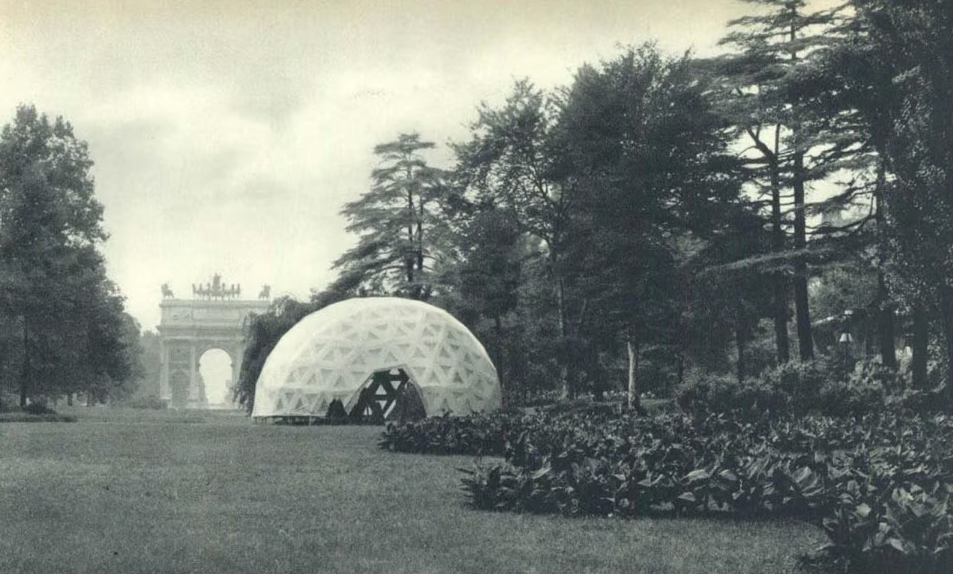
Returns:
<point x="215" y="370"/>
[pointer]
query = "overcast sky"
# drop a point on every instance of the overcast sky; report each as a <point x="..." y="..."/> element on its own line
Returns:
<point x="227" y="134"/>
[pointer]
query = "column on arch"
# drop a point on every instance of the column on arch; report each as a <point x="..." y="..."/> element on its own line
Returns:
<point x="236" y="353"/>
<point x="165" y="391"/>
<point x="193" y="374"/>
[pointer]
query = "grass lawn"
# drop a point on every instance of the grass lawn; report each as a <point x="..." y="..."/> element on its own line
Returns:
<point x="130" y="491"/>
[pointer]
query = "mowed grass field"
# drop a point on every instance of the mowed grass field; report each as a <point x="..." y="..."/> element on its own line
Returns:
<point x="152" y="492"/>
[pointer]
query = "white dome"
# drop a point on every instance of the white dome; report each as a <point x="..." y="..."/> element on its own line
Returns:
<point x="331" y="353"/>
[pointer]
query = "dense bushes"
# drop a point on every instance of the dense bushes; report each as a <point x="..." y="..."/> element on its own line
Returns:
<point x="478" y="434"/>
<point x="878" y="485"/>
<point x="38" y="409"/>
<point x="33" y="412"/>
<point x="151" y="402"/>
<point x="819" y="387"/>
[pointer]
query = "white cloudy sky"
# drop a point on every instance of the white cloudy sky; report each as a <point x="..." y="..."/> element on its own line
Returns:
<point x="228" y="133"/>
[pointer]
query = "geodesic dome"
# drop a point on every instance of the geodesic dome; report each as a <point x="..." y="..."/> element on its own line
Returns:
<point x="332" y="353"/>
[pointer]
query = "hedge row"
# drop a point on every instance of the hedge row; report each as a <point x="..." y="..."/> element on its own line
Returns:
<point x="878" y="485"/>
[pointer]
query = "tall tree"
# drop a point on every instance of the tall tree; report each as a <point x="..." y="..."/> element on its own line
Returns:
<point x="486" y="277"/>
<point x="398" y="222"/>
<point x="733" y="291"/>
<point x="150" y="361"/>
<point x="913" y="36"/>
<point x="510" y="162"/>
<point x="852" y="93"/>
<point x="774" y="45"/>
<point x="52" y="278"/>
<point x="646" y="156"/>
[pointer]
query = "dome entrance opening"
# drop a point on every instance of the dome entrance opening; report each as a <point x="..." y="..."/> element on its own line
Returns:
<point x="388" y="394"/>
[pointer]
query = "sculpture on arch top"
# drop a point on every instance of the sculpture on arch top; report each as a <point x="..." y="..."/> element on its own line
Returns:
<point x="217" y="289"/>
<point x="167" y="292"/>
<point x="265" y="292"/>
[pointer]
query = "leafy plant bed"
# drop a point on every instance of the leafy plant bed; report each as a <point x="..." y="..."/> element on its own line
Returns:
<point x="322" y="421"/>
<point x="477" y="435"/>
<point x="878" y="485"/>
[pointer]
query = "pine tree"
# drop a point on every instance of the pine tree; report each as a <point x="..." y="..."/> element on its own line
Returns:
<point x="399" y="221"/>
<point x="774" y="46"/>
<point x="915" y="48"/>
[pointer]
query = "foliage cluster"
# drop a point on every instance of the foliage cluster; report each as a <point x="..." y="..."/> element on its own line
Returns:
<point x="659" y="215"/>
<point x="264" y="332"/>
<point x="797" y="388"/>
<point x="63" y="328"/>
<point x="878" y="485"/>
<point x="478" y="434"/>
<point x="811" y="387"/>
<point x="151" y="402"/>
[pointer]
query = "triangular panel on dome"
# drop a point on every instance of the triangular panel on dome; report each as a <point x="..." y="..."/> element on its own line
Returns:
<point x="373" y="355"/>
<point x="373" y="335"/>
<point x="358" y="373"/>
<point x="321" y="404"/>
<point x="299" y="374"/>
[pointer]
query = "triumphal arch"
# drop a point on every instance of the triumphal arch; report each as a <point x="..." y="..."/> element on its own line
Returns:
<point x="212" y="319"/>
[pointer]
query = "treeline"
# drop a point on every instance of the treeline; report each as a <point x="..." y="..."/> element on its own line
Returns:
<point x="662" y="216"/>
<point x="63" y="327"/>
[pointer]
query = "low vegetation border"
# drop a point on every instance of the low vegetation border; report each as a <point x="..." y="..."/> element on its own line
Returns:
<point x="22" y="417"/>
<point x="878" y="485"/>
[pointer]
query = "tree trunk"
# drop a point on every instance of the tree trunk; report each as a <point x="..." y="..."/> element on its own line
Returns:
<point x="632" y="397"/>
<point x="566" y="390"/>
<point x="802" y="313"/>
<point x="805" y="338"/>
<point x="885" y="312"/>
<point x="26" y="372"/>
<point x="741" y="340"/>
<point x="781" y="320"/>
<point x="424" y="293"/>
<point x="409" y="258"/>
<point x="500" y="354"/>
<point x="921" y="339"/>
<point x="946" y="305"/>
<point x="780" y="314"/>
<point x="885" y="324"/>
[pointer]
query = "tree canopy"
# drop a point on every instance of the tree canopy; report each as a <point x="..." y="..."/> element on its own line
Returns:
<point x="71" y="332"/>
<point x="660" y="215"/>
